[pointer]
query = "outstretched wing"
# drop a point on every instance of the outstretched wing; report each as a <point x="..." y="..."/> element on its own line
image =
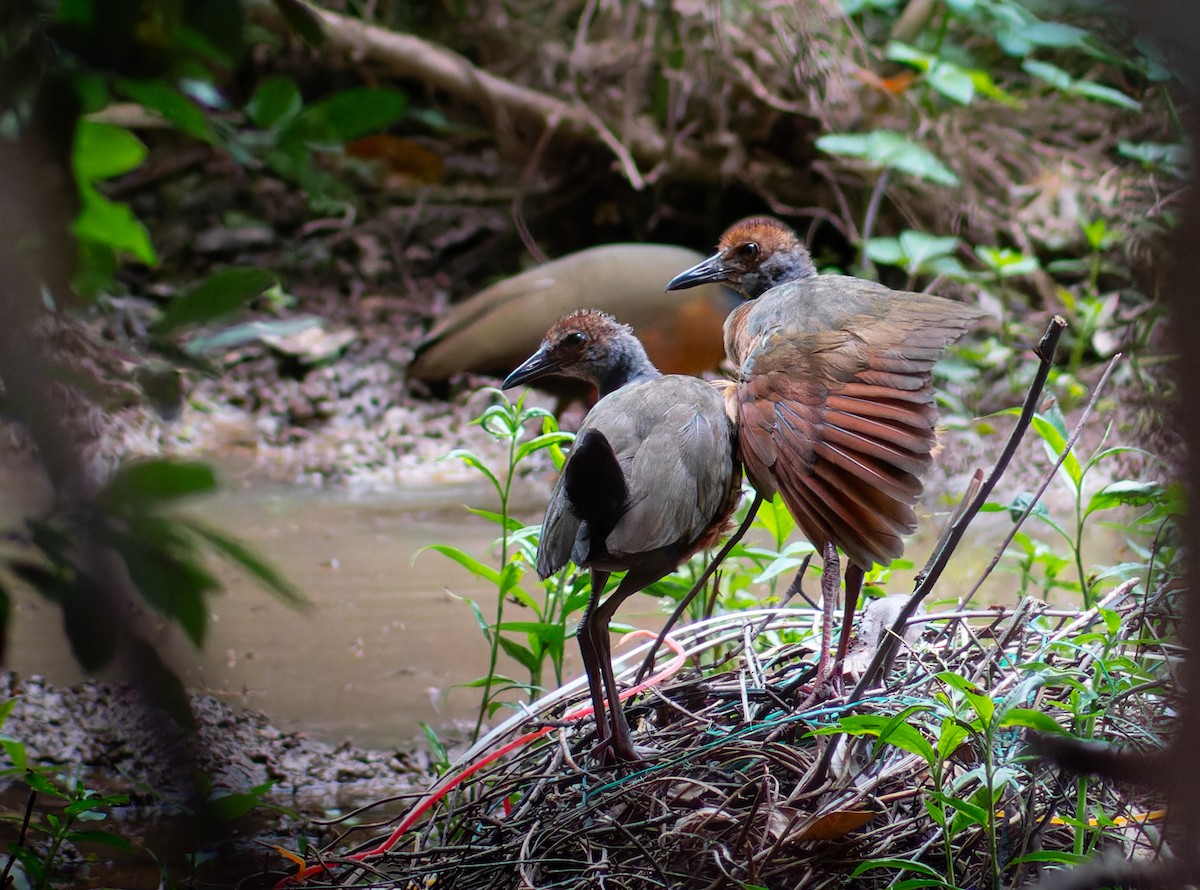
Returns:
<point x="836" y="409"/>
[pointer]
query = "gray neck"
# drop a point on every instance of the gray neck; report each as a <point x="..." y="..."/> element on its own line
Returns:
<point x="627" y="363"/>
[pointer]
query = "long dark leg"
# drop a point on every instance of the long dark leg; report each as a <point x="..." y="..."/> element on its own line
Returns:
<point x="621" y="742"/>
<point x="854" y="583"/>
<point x="591" y="658"/>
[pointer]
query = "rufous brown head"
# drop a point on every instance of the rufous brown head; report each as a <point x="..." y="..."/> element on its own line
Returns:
<point x="588" y="345"/>
<point x="753" y="256"/>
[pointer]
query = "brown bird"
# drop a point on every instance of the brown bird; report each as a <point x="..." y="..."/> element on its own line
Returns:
<point x="651" y="479"/>
<point x="833" y="394"/>
<point x="495" y="329"/>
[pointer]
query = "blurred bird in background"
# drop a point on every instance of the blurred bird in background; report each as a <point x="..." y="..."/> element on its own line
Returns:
<point x="492" y="331"/>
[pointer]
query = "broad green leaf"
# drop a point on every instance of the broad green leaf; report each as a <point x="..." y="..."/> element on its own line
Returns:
<point x="16" y="753"/>
<point x="967" y="812"/>
<point x="113" y="225"/>
<point x="1175" y="157"/>
<point x="275" y="100"/>
<point x="173" y="584"/>
<point x="222" y="293"/>
<point x="950" y="738"/>
<point x="887" y="148"/>
<point x="249" y="332"/>
<point x="158" y="480"/>
<point x="1061" y="80"/>
<point x="1031" y="719"/>
<point x="350" y="114"/>
<point x="102" y="151"/>
<point x="1124" y="491"/>
<point x="1024" y="38"/>
<point x="519" y="653"/>
<point x="160" y="96"/>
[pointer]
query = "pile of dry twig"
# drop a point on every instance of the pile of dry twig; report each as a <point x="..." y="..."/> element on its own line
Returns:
<point x="736" y="793"/>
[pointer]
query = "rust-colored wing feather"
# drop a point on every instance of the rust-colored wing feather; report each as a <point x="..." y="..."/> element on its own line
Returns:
<point x="835" y="405"/>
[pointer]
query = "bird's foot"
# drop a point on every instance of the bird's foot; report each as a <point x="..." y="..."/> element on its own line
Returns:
<point x="610" y="754"/>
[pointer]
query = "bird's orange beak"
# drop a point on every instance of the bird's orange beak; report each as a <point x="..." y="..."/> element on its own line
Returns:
<point x="705" y="272"/>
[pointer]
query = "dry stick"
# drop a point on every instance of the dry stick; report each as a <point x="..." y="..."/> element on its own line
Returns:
<point x="699" y="585"/>
<point x="406" y="56"/>
<point x="1045" y="352"/>
<point x="1037" y="495"/>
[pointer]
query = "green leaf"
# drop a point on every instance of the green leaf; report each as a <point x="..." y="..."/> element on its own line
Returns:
<point x="102" y="151"/>
<point x="277" y="99"/>
<point x="537" y="443"/>
<point x="157" y="480"/>
<point x="1006" y="263"/>
<point x="1124" y="491"/>
<point x="1031" y="719"/>
<point x="1056" y="444"/>
<point x="950" y="738"/>
<point x="16" y="753"/>
<point x="111" y="224"/>
<point x="170" y="582"/>
<point x="972" y="812"/>
<point x="158" y="95"/>
<point x="1064" y="857"/>
<point x="249" y="332"/>
<point x="1061" y="80"/>
<point x="898" y="864"/>
<point x="345" y="116"/>
<point x="887" y="148"/>
<point x="1174" y="157"/>
<point x="251" y="563"/>
<point x="519" y="653"/>
<point x="222" y="293"/>
<point x="468" y="562"/>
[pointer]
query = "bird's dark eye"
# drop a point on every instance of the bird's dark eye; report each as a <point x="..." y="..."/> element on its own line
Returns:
<point x="747" y="251"/>
<point x="574" y="338"/>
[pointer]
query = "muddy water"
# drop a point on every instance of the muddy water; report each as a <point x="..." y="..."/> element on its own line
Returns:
<point x="388" y="634"/>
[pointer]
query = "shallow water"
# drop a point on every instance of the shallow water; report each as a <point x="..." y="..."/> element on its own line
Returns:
<point x="385" y="639"/>
<point x="387" y="635"/>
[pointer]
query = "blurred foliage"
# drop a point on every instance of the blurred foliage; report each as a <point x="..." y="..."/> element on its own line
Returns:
<point x="63" y="67"/>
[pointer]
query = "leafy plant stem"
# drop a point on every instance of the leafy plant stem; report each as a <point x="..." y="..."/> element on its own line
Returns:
<point x="55" y="843"/>
<point x="494" y="652"/>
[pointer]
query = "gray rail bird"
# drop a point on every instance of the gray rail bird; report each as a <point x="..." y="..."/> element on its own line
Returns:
<point x="651" y="479"/>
